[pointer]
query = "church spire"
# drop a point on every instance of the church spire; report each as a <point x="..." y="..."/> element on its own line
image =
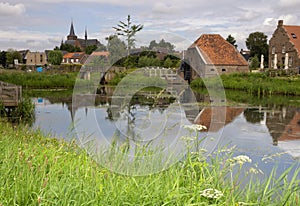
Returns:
<point x="72" y="35"/>
<point x="85" y="35"/>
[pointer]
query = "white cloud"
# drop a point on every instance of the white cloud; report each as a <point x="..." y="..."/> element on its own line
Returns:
<point x="7" y="9"/>
<point x="289" y="3"/>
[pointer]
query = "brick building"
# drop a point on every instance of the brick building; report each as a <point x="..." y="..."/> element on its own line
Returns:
<point x="212" y="55"/>
<point x="284" y="47"/>
<point x="72" y="39"/>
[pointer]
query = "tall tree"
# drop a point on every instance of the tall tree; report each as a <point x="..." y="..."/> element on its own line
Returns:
<point x="55" y="57"/>
<point x="231" y="40"/>
<point x="3" y="58"/>
<point x="128" y="30"/>
<point x="257" y="43"/>
<point x="116" y="48"/>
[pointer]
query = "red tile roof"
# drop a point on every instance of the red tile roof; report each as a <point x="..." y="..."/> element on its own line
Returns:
<point x="216" y="50"/>
<point x="75" y="55"/>
<point x="294" y="35"/>
<point x="100" y="53"/>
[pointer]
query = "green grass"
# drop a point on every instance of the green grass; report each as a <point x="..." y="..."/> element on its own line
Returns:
<point x="36" y="170"/>
<point x="255" y="83"/>
<point x="35" y="80"/>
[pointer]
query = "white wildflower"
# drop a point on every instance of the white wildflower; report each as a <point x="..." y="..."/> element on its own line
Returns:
<point x="241" y="159"/>
<point x="211" y="193"/>
<point x="255" y="170"/>
<point x="194" y="127"/>
<point x="188" y="138"/>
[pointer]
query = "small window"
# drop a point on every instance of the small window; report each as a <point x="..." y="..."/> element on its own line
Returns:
<point x="294" y="35"/>
<point x="290" y="61"/>
<point x="273" y="49"/>
<point x="223" y="70"/>
<point x="212" y="70"/>
<point x="283" y="49"/>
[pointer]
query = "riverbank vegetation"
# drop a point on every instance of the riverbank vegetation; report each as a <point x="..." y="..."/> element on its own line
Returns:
<point x="35" y="80"/>
<point x="259" y="84"/>
<point x="36" y="170"/>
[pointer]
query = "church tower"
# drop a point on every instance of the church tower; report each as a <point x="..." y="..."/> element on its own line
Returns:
<point x="72" y="35"/>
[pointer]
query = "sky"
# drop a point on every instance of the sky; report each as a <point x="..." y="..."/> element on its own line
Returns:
<point x="38" y="25"/>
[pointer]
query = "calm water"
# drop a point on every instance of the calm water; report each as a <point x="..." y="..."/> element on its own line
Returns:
<point x="268" y="133"/>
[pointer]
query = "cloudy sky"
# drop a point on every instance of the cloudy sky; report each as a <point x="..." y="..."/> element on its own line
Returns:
<point x="42" y="24"/>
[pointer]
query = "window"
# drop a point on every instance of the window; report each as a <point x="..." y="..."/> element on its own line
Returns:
<point x="290" y="61"/>
<point x="41" y="58"/>
<point x="223" y="70"/>
<point x="283" y="49"/>
<point x="273" y="49"/>
<point x="212" y="70"/>
<point x="294" y="35"/>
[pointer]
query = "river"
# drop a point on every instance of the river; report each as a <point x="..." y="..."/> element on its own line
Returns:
<point x="265" y="129"/>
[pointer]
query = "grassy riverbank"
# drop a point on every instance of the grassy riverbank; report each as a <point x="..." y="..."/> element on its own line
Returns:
<point x="256" y="83"/>
<point x="41" y="171"/>
<point x="35" y="80"/>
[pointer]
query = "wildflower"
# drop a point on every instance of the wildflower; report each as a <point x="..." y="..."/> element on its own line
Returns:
<point x="188" y="138"/>
<point x="255" y="170"/>
<point x="211" y="193"/>
<point x="194" y="127"/>
<point x="241" y="159"/>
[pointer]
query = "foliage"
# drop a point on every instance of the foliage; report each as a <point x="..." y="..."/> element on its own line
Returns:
<point x="11" y="55"/>
<point x="231" y="40"/>
<point x="255" y="83"/>
<point x="3" y="58"/>
<point x="116" y="48"/>
<point x="55" y="57"/>
<point x="161" y="44"/>
<point x="36" y="170"/>
<point x="23" y="113"/>
<point x="36" y="80"/>
<point x="69" y="48"/>
<point x="254" y="62"/>
<point x="257" y="43"/>
<point x="129" y="31"/>
<point x="89" y="49"/>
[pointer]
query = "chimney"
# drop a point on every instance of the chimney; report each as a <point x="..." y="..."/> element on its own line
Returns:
<point x="280" y="23"/>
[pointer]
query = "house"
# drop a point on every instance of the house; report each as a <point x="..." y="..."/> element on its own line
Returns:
<point x="73" y="40"/>
<point x="74" y="58"/>
<point x="284" y="47"/>
<point x="97" y="58"/>
<point x="211" y="55"/>
<point x="35" y="58"/>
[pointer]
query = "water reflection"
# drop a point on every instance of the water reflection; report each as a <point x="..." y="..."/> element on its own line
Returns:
<point x="277" y="127"/>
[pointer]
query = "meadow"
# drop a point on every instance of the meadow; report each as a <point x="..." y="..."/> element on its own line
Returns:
<point x="37" y="170"/>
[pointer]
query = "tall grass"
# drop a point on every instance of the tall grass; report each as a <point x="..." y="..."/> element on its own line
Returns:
<point x="255" y="83"/>
<point x="36" y="170"/>
<point x="35" y="80"/>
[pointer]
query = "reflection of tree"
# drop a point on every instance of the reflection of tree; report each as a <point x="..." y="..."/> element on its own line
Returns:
<point x="252" y="115"/>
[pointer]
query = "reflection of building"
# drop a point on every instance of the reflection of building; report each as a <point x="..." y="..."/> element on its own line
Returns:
<point x="278" y="120"/>
<point x="214" y="118"/>
<point x="284" y="47"/>
<point x="211" y="54"/>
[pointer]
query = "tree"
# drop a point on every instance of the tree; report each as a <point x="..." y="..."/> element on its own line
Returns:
<point x="55" y="57"/>
<point x="11" y="55"/>
<point x="116" y="48"/>
<point x="89" y="49"/>
<point x="3" y="58"/>
<point x="69" y="48"/>
<point x="162" y="44"/>
<point x="257" y="43"/>
<point x="254" y="64"/>
<point x="231" y="40"/>
<point x="129" y="31"/>
<point x="168" y="63"/>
